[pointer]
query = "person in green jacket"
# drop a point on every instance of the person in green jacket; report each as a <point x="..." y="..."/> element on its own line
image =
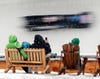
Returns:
<point x="75" y="42"/>
<point x="13" y="43"/>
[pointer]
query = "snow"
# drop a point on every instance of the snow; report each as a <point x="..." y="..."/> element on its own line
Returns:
<point x="20" y="74"/>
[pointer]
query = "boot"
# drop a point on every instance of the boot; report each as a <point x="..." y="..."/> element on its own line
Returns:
<point x="29" y="69"/>
<point x="36" y="70"/>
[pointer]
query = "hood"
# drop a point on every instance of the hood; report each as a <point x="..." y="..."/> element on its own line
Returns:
<point x="12" y="38"/>
<point x="75" y="41"/>
<point x="38" y="39"/>
<point x="25" y="44"/>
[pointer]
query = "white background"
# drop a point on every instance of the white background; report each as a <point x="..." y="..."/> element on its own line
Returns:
<point x="11" y="22"/>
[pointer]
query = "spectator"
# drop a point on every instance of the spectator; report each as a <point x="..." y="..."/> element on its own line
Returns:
<point x="76" y="48"/>
<point x="39" y="42"/>
<point x="13" y="43"/>
<point x="26" y="44"/>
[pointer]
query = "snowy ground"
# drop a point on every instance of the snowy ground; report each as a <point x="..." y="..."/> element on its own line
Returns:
<point x="53" y="75"/>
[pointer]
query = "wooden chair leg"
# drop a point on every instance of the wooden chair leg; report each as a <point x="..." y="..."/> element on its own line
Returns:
<point x="62" y="71"/>
<point x="8" y="68"/>
<point x="84" y="64"/>
<point x="97" y="72"/>
<point x="13" y="69"/>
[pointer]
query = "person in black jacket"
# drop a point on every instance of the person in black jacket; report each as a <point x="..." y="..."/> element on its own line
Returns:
<point x="39" y="42"/>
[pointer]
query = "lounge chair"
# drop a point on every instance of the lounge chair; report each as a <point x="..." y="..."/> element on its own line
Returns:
<point x="70" y="58"/>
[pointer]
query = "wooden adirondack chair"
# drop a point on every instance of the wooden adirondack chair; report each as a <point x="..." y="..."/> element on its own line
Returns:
<point x="71" y="58"/>
<point x="97" y="70"/>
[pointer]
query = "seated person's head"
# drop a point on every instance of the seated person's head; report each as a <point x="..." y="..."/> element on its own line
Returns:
<point x="75" y="41"/>
<point x="38" y="39"/>
<point x="25" y="44"/>
<point x="12" y="39"/>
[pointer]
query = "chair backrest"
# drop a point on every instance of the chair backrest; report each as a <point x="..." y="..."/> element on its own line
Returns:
<point x="36" y="57"/>
<point x="67" y="48"/>
<point x="71" y="59"/>
<point x="71" y="55"/>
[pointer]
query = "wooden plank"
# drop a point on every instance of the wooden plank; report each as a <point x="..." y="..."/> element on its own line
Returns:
<point x="35" y="62"/>
<point x="88" y="56"/>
